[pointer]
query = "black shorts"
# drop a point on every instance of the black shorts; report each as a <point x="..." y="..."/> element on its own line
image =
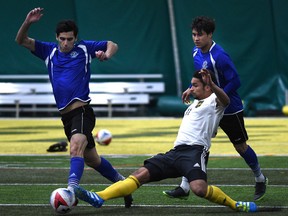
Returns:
<point x="183" y="160"/>
<point x="233" y="126"/>
<point x="80" y="120"/>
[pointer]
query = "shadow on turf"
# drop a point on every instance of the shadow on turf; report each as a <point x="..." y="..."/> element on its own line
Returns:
<point x="151" y="211"/>
<point x="138" y="210"/>
<point x="269" y="209"/>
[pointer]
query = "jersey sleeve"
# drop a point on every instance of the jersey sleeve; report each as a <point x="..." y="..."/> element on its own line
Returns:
<point x="225" y="64"/>
<point x="93" y="46"/>
<point x="43" y="49"/>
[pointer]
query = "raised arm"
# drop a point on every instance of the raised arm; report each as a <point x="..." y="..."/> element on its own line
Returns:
<point x="22" y="35"/>
<point x="222" y="97"/>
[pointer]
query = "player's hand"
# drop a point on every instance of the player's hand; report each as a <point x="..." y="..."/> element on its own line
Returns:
<point x="206" y="77"/>
<point x="101" y="55"/>
<point x="186" y="96"/>
<point x="34" y="15"/>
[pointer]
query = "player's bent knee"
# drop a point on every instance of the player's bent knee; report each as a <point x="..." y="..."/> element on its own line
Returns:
<point x="199" y="192"/>
<point x="199" y="187"/>
<point x="142" y="175"/>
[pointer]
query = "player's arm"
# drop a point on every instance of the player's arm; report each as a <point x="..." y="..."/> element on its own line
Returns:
<point x="112" y="48"/>
<point x="22" y="34"/>
<point x="222" y="97"/>
<point x="230" y="73"/>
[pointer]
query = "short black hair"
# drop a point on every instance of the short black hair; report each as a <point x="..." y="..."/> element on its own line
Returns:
<point x="204" y="23"/>
<point x="66" y="26"/>
<point x="198" y="75"/>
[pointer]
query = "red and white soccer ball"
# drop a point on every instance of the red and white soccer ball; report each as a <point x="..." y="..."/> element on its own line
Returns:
<point x="62" y="200"/>
<point x="103" y="137"/>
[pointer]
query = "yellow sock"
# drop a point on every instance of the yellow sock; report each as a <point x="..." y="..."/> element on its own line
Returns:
<point x="120" y="188"/>
<point x="216" y="195"/>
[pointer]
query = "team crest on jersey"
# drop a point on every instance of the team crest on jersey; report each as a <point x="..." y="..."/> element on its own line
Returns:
<point x="74" y="54"/>
<point x="199" y="104"/>
<point x="205" y="65"/>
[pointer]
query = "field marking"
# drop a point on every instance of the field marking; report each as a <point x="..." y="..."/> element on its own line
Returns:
<point x="146" y="185"/>
<point x="150" y="206"/>
<point x="135" y="155"/>
<point x="20" y="166"/>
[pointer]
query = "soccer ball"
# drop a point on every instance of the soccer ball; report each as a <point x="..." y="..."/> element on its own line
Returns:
<point x="103" y="137"/>
<point x="62" y="200"/>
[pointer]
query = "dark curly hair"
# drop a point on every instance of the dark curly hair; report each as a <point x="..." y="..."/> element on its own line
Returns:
<point x="204" y="23"/>
<point x="66" y="26"/>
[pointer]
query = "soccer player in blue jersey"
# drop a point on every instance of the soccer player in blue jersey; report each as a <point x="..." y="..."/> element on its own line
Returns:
<point x="209" y="55"/>
<point x="68" y="64"/>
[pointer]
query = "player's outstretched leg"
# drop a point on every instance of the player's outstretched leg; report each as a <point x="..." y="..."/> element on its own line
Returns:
<point x="216" y="195"/>
<point x="107" y="170"/>
<point x="89" y="197"/>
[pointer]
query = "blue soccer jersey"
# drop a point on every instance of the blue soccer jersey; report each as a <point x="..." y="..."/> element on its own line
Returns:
<point x="69" y="73"/>
<point x="219" y="62"/>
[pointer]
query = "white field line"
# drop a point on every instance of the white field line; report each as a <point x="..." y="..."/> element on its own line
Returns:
<point x="146" y="185"/>
<point x="148" y="155"/>
<point x="22" y="166"/>
<point x="150" y="206"/>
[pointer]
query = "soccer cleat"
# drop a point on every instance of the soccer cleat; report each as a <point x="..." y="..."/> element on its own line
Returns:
<point x="260" y="189"/>
<point x="87" y="196"/>
<point x="128" y="201"/>
<point x="178" y="192"/>
<point x="58" y="147"/>
<point x="246" y="206"/>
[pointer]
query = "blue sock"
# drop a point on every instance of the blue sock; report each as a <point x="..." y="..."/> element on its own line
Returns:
<point x="252" y="161"/>
<point x="106" y="170"/>
<point x="76" y="171"/>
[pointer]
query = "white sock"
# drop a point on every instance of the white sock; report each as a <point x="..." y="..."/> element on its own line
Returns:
<point x="185" y="185"/>
<point x="260" y="178"/>
<point x="70" y="188"/>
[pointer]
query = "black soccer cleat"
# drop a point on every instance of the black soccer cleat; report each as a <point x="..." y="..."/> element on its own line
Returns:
<point x="178" y="192"/>
<point x="128" y="201"/>
<point x="58" y="147"/>
<point x="260" y="189"/>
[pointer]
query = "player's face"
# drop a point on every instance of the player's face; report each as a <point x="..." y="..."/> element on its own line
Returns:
<point x="66" y="41"/>
<point x="198" y="89"/>
<point x="202" y="40"/>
